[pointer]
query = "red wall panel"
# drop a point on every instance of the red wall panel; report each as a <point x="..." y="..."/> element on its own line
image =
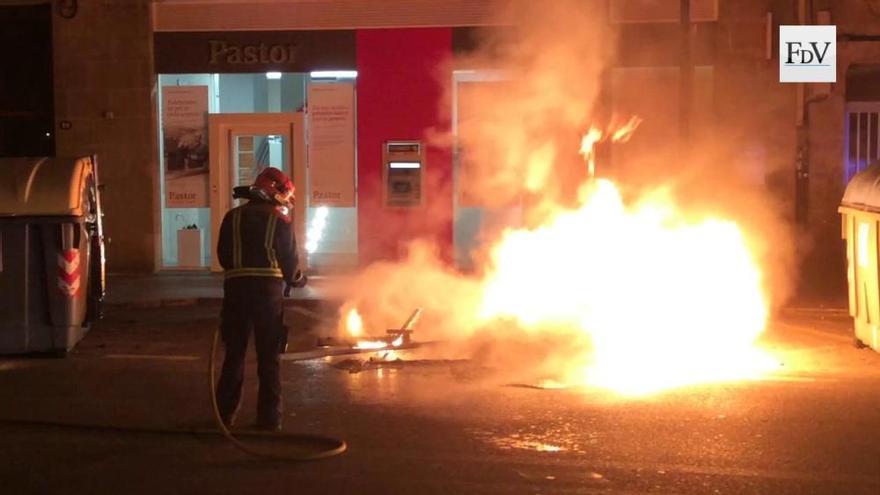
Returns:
<point x="398" y="97"/>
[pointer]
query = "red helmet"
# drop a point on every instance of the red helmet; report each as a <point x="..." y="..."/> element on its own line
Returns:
<point x="274" y="186"/>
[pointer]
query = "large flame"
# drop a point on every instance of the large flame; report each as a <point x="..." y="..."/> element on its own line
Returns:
<point x="663" y="300"/>
<point x="646" y="295"/>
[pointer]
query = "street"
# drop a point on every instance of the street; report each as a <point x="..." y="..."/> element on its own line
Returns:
<point x="521" y="247"/>
<point x="436" y="426"/>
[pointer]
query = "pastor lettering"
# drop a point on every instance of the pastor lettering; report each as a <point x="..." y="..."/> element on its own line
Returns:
<point x="261" y="53"/>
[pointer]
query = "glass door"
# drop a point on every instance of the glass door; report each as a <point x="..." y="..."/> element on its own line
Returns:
<point x="251" y="153"/>
<point x="242" y="145"/>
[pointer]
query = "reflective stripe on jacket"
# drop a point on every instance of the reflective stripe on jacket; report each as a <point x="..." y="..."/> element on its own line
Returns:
<point x="255" y="242"/>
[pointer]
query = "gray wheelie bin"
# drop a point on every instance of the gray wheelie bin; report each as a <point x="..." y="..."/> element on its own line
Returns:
<point x="51" y="253"/>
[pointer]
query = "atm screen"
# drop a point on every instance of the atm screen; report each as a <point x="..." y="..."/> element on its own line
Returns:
<point x="401" y="187"/>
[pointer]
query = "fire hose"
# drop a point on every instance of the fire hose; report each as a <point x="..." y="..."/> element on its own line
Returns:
<point x="335" y="446"/>
<point x="322" y="446"/>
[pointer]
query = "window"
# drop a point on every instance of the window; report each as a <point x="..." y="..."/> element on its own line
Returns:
<point x="862" y="137"/>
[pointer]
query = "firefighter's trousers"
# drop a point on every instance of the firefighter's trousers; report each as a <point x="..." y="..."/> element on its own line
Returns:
<point x="252" y="303"/>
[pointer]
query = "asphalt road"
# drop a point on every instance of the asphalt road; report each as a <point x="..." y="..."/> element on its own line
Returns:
<point x="437" y="426"/>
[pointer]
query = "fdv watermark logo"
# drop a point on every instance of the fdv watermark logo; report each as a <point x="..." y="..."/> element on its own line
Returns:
<point x="808" y="54"/>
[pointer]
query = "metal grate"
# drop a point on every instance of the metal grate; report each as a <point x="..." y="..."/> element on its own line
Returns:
<point x="862" y="137"/>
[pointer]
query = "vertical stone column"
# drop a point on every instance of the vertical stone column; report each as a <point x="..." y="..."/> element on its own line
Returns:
<point x="105" y="90"/>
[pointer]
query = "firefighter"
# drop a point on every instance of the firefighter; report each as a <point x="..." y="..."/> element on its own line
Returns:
<point x="257" y="250"/>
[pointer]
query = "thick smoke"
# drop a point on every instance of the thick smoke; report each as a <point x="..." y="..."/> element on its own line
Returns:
<point x="520" y="135"/>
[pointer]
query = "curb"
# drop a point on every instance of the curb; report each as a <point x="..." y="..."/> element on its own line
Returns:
<point x="163" y="303"/>
<point x="816" y="310"/>
<point x="204" y="301"/>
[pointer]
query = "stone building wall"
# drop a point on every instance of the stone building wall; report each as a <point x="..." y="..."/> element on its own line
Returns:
<point x="755" y="110"/>
<point x="755" y="134"/>
<point x="824" y="264"/>
<point x="104" y="87"/>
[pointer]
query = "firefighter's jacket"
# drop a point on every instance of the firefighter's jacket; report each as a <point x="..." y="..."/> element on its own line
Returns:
<point x="255" y="241"/>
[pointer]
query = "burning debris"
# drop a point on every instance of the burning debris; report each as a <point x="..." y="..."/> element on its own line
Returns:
<point x="394" y="338"/>
<point x="355" y="342"/>
<point x="387" y="350"/>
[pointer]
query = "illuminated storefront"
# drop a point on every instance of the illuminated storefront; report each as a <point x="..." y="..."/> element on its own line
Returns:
<point x="252" y="89"/>
<point x="346" y="93"/>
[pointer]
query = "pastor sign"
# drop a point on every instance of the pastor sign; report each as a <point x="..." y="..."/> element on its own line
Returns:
<point x="253" y="51"/>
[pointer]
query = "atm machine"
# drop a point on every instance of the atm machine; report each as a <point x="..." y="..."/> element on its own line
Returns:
<point x="403" y="170"/>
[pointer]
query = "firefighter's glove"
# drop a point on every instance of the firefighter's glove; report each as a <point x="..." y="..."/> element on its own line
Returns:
<point x="299" y="279"/>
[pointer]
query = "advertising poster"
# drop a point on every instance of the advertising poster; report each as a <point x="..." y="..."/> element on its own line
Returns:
<point x="185" y="144"/>
<point x="331" y="144"/>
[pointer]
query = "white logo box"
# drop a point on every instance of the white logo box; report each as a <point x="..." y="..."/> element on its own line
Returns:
<point x="808" y="54"/>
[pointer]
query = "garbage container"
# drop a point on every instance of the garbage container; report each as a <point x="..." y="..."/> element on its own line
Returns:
<point x="860" y="212"/>
<point x="51" y="253"/>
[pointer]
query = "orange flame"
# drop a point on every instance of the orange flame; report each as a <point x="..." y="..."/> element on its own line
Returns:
<point x="589" y="140"/>
<point x="624" y="132"/>
<point x="663" y="299"/>
<point x="595" y="135"/>
<point x="371" y="344"/>
<point x="354" y="326"/>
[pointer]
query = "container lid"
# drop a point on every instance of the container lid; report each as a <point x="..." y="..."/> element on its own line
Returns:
<point x="43" y="186"/>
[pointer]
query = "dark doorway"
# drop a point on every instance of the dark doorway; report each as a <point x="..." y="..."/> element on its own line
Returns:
<point x="27" y="110"/>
